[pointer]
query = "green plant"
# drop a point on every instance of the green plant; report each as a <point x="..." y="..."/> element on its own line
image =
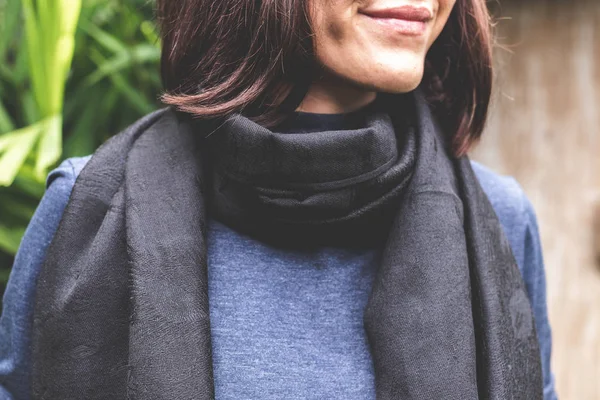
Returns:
<point x="49" y="35"/>
<point x="66" y="85"/>
<point x="50" y="40"/>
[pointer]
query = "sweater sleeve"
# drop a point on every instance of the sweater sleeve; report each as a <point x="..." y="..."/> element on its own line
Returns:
<point x="17" y="304"/>
<point x="535" y="280"/>
<point x="518" y="218"/>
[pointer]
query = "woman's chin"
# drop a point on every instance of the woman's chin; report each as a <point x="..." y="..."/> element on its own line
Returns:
<point x="402" y="86"/>
<point x="397" y="73"/>
<point x="395" y="82"/>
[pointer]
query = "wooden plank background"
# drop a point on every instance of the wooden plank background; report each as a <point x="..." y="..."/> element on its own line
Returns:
<point x="544" y="130"/>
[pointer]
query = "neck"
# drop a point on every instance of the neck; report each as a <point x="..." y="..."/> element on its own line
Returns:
<point x="334" y="96"/>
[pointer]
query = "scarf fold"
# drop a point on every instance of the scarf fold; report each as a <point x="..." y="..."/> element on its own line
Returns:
<point x="322" y="188"/>
<point x="121" y="308"/>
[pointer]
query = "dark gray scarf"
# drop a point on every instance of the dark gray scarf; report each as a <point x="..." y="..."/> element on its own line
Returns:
<point x="121" y="310"/>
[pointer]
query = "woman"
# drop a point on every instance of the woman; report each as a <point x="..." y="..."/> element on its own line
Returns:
<point x="300" y="223"/>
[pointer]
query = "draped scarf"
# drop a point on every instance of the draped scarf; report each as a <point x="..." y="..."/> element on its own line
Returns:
<point x="121" y="306"/>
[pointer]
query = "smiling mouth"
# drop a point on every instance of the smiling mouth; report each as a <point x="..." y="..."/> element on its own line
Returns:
<point x="406" y="20"/>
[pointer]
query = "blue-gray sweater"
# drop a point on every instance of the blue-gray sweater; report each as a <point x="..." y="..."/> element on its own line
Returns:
<point x="285" y="324"/>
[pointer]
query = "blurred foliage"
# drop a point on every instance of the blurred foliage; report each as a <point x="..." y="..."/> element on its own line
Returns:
<point x="52" y="108"/>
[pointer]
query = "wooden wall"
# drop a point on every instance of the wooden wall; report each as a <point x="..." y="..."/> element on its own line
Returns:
<point x="544" y="130"/>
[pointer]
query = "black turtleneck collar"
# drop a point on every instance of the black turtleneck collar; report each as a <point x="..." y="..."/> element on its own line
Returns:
<point x="307" y="122"/>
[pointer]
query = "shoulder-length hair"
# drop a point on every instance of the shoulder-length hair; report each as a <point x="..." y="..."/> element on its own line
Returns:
<point x="254" y="56"/>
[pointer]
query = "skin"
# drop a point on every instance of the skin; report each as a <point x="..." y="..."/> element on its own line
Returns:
<point x="361" y="56"/>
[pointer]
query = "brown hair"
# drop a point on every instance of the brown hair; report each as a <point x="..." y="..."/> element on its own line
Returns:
<point x="254" y="56"/>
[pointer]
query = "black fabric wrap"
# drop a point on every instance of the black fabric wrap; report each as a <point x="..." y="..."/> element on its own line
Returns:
<point x="121" y="308"/>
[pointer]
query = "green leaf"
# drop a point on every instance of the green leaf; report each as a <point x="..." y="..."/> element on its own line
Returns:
<point x="150" y="32"/>
<point x="64" y="45"/>
<point x="140" y="54"/>
<point x="81" y="142"/>
<point x="15" y="146"/>
<point x="35" y="52"/>
<point x="6" y="74"/>
<point x="10" y="238"/>
<point x="21" y="67"/>
<point x="30" y="108"/>
<point x="28" y="183"/>
<point x="50" y="31"/>
<point x="4" y="275"/>
<point x="11" y="13"/>
<point x="6" y="124"/>
<point x="135" y="98"/>
<point x="16" y="207"/>
<point x="104" y="38"/>
<point x="49" y="146"/>
<point x="138" y="101"/>
<point x="117" y="63"/>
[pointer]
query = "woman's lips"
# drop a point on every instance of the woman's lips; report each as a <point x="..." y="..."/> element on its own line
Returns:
<point x="406" y="20"/>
